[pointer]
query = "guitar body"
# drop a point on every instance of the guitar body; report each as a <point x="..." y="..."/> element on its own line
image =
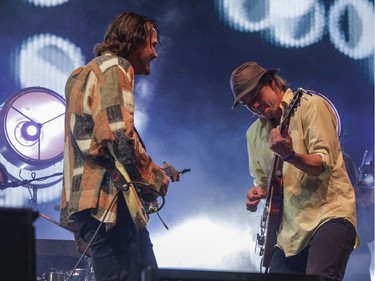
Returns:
<point x="138" y="206"/>
<point x="272" y="213"/>
<point x="133" y="201"/>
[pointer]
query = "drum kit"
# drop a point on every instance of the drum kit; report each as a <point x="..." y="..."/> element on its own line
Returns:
<point x="59" y="260"/>
<point x="362" y="178"/>
<point x="80" y="274"/>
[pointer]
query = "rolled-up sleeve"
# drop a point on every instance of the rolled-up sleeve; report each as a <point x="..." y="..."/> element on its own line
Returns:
<point x="320" y="132"/>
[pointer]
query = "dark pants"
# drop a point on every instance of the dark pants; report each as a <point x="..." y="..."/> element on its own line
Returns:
<point x="120" y="253"/>
<point x="326" y="255"/>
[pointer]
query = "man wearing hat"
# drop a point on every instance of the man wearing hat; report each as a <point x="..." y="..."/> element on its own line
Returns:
<point x="317" y="227"/>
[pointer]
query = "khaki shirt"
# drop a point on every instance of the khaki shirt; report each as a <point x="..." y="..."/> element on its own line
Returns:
<point x="309" y="201"/>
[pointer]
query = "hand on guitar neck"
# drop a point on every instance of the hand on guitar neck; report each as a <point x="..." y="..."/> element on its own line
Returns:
<point x="280" y="141"/>
<point x="173" y="174"/>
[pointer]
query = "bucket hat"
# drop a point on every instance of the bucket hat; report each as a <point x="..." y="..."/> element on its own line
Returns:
<point x="245" y="78"/>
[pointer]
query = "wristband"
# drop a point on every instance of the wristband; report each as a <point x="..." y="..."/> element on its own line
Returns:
<point x="289" y="157"/>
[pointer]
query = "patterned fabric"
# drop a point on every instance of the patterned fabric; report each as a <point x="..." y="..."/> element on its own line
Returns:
<point x="100" y="112"/>
<point x="309" y="201"/>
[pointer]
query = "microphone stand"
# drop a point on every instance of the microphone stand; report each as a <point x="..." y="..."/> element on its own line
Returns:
<point x="34" y="198"/>
<point x="26" y="183"/>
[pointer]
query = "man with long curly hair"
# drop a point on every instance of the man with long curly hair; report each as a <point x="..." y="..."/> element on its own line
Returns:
<point x="99" y="130"/>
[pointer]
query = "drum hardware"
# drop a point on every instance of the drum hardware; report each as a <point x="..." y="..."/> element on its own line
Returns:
<point x="53" y="276"/>
<point x="65" y="248"/>
<point x="365" y="177"/>
<point x="79" y="274"/>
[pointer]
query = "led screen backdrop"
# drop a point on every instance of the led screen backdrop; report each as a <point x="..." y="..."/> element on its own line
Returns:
<point x="183" y="109"/>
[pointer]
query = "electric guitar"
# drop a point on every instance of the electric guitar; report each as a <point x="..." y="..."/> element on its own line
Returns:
<point x="272" y="212"/>
<point x="139" y="208"/>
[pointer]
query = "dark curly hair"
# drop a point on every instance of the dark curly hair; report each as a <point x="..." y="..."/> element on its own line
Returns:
<point x="267" y="80"/>
<point x="127" y="32"/>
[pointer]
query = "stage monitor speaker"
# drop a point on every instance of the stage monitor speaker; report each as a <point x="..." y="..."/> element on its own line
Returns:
<point x="152" y="274"/>
<point x="17" y="248"/>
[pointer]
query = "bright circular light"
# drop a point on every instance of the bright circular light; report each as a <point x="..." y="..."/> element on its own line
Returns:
<point x="30" y="131"/>
<point x="47" y="3"/>
<point x="236" y="15"/>
<point x="46" y="59"/>
<point x="32" y="127"/>
<point x="304" y="23"/>
<point x="300" y="31"/>
<point x="359" y="43"/>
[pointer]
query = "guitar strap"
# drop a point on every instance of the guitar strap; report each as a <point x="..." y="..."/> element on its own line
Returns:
<point x="107" y="161"/>
<point x="121" y="179"/>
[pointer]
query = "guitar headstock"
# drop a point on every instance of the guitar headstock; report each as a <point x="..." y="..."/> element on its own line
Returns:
<point x="173" y="174"/>
<point x="292" y="107"/>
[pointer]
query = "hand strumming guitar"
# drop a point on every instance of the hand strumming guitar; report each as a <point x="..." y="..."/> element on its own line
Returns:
<point x="253" y="197"/>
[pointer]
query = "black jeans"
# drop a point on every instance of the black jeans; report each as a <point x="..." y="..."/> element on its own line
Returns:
<point x="120" y="253"/>
<point x="326" y="255"/>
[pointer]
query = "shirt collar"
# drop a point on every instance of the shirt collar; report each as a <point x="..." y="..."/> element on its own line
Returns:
<point x="287" y="98"/>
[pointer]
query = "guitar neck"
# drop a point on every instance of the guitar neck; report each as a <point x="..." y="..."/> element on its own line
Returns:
<point x="272" y="213"/>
